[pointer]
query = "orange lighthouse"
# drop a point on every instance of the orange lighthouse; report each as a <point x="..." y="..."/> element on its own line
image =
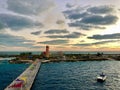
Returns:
<point x="47" y="51"/>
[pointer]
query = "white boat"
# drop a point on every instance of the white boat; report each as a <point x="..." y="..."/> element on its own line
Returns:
<point x="101" y="78"/>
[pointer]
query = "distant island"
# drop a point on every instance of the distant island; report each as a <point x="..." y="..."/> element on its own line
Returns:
<point x="28" y="57"/>
<point x="47" y="56"/>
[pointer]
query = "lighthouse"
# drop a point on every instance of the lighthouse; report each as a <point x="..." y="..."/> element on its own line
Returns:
<point x="47" y="51"/>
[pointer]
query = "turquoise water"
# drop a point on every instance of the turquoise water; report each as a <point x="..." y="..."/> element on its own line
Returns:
<point x="8" y="72"/>
<point x="66" y="75"/>
<point x="78" y="76"/>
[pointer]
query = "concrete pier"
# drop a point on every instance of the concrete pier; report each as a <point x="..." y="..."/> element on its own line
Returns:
<point x="26" y="79"/>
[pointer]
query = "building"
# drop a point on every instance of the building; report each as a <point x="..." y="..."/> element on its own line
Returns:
<point x="47" y="52"/>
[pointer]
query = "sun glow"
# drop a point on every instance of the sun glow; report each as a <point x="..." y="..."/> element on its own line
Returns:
<point x="112" y="29"/>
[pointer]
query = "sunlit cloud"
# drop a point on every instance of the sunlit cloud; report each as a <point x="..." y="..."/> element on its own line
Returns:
<point x="31" y="24"/>
<point x="55" y="42"/>
<point x="97" y="43"/>
<point x="10" y="40"/>
<point x="72" y="35"/>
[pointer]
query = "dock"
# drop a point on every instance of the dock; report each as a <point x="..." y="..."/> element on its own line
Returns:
<point x="26" y="79"/>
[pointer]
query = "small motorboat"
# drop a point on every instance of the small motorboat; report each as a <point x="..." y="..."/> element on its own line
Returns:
<point x="101" y="78"/>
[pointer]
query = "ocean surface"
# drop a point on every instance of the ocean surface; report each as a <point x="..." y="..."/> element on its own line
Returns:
<point x="9" y="72"/>
<point x="78" y="76"/>
<point x="66" y="75"/>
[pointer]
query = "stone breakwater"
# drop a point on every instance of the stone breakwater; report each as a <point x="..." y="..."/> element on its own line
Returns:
<point x="26" y="79"/>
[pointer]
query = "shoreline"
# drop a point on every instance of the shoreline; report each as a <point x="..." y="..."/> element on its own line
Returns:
<point x="76" y="60"/>
<point x="68" y="60"/>
<point x="19" y="59"/>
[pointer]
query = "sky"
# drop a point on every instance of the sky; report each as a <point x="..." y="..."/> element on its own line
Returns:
<point x="64" y="25"/>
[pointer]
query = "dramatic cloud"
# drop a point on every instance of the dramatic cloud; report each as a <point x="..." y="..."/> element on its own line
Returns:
<point x="74" y="11"/>
<point x="85" y="26"/>
<point x="101" y="9"/>
<point x="59" y="23"/>
<point x="88" y="18"/>
<point x="9" y="40"/>
<point x="97" y="43"/>
<point x="107" y="36"/>
<point x="72" y="35"/>
<point x="16" y="22"/>
<point x="36" y="33"/>
<point x="29" y="7"/>
<point x="56" y="31"/>
<point x="94" y="21"/>
<point x="99" y="20"/>
<point x="78" y="15"/>
<point x="55" y="42"/>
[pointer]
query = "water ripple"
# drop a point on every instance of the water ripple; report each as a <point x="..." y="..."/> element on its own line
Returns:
<point x="78" y="76"/>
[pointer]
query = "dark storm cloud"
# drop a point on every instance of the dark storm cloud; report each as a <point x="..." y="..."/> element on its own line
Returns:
<point x="36" y="33"/>
<point x="55" y="42"/>
<point x="29" y="7"/>
<point x="56" y="31"/>
<point x="72" y="35"/>
<point x="16" y="22"/>
<point x="100" y="9"/>
<point x="9" y="40"/>
<point x="89" y="18"/>
<point x="107" y="36"/>
<point x="97" y="43"/>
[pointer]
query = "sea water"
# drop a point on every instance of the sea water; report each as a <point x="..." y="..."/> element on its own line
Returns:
<point x="78" y="76"/>
<point x="9" y="72"/>
<point x="67" y="75"/>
